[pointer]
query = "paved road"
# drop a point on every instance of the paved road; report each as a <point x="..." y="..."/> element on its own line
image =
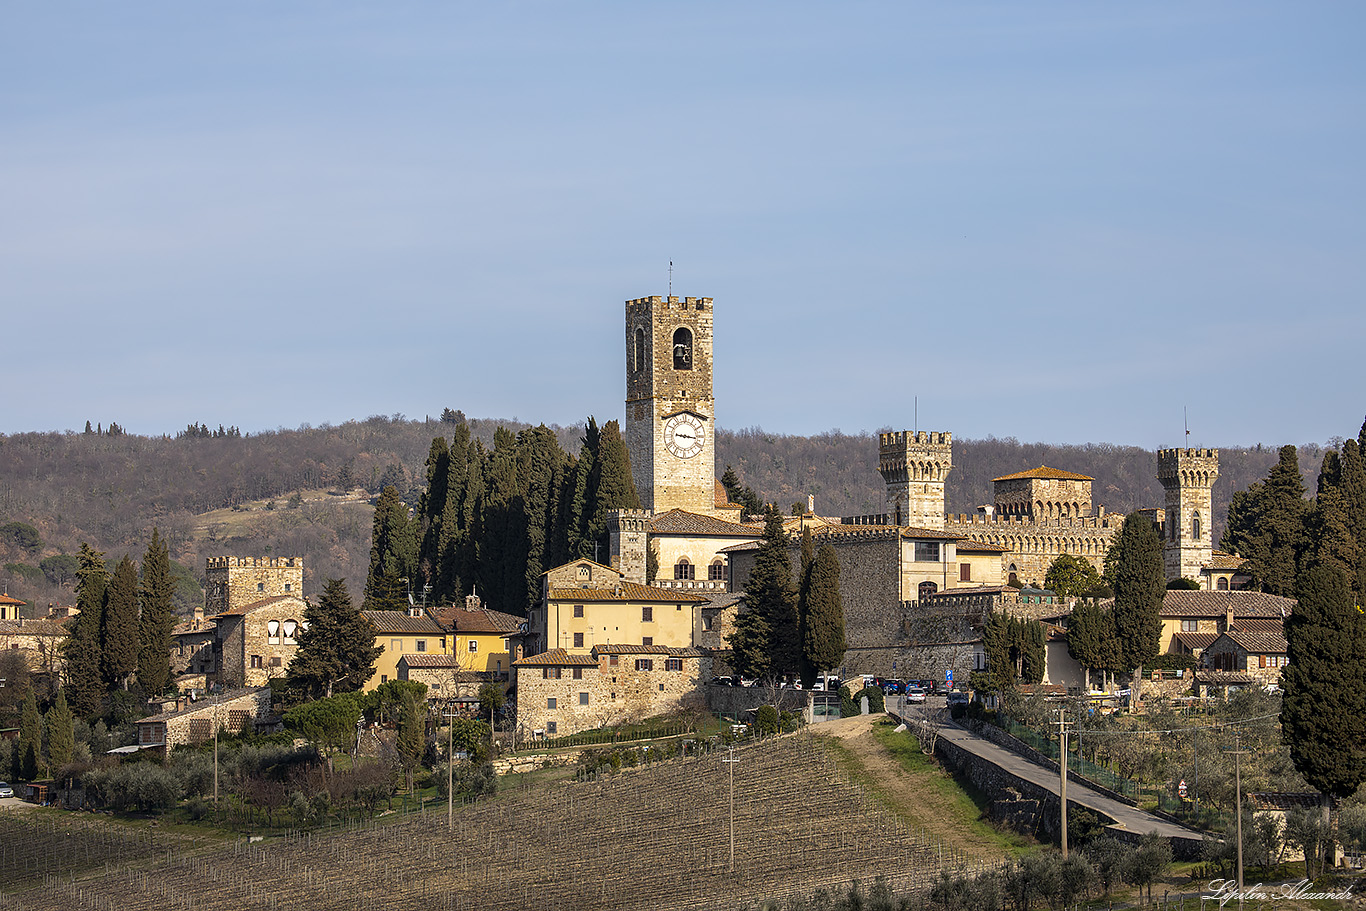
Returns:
<point x="1127" y="817"/>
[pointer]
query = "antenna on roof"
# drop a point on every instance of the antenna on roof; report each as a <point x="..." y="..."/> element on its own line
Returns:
<point x="671" y="278"/>
<point x="915" y="415"/>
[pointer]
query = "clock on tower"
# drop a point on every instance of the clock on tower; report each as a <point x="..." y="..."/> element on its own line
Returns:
<point x="670" y="412"/>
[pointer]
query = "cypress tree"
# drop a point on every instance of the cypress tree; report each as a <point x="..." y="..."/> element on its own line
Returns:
<point x="612" y="488"/>
<point x="471" y="513"/>
<point x="807" y="670"/>
<point x="1084" y="631"/>
<point x="1139" y="580"/>
<point x="30" y="746"/>
<point x="824" y="643"/>
<point x="1329" y="540"/>
<point x="581" y="509"/>
<point x="337" y="648"/>
<point x="772" y="636"/>
<point x="1282" y="518"/>
<point x="392" y="554"/>
<point x="157" y="618"/>
<point x="1323" y="714"/>
<point x="1031" y="640"/>
<point x="119" y="634"/>
<point x="999" y="673"/>
<point x="1354" y="494"/>
<point x="501" y="543"/>
<point x="84" y="678"/>
<point x="540" y="474"/>
<point x="431" y="514"/>
<point x="61" y="735"/>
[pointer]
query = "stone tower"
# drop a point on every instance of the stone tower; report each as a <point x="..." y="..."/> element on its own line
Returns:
<point x="627" y="542"/>
<point x="915" y="466"/>
<point x="670" y="413"/>
<point x="231" y="582"/>
<point x="1188" y="476"/>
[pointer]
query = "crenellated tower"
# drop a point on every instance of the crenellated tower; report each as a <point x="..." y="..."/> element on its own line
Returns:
<point x="231" y="582"/>
<point x="915" y="467"/>
<point x="628" y="544"/>
<point x="1188" y="477"/>
<point x="670" y="412"/>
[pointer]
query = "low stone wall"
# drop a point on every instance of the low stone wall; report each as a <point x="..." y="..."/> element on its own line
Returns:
<point x="530" y="762"/>
<point x="1020" y="748"/>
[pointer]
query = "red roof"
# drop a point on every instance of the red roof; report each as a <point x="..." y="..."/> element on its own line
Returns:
<point x="626" y="591"/>
<point x="1044" y="473"/>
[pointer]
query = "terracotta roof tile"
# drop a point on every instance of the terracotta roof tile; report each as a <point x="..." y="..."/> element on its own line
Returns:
<point x="7" y="600"/>
<point x="397" y="621"/>
<point x="1245" y="605"/>
<point x="646" y="650"/>
<point x="1259" y="643"/>
<point x="678" y="521"/>
<point x="424" y="659"/>
<point x="479" y="620"/>
<point x="1220" y="560"/>
<point x="557" y="657"/>
<point x="627" y="591"/>
<point x="1193" y="641"/>
<point x="1044" y="473"/>
<point x="32" y="628"/>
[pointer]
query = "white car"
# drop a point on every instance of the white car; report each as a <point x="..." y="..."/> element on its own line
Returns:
<point x="6" y="790"/>
<point x="915" y="694"/>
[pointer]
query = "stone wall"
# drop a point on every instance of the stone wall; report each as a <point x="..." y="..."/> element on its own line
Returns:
<point x="656" y="390"/>
<point x="914" y="467"/>
<point x="232" y="582"/>
<point x="1187" y="476"/>
<point x="605" y="694"/>
<point x="246" y="654"/>
<point x="1032" y="546"/>
<point x="1042" y="499"/>
<point x="197" y="722"/>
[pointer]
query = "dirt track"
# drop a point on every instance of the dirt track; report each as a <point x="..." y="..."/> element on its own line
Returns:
<point x="906" y="794"/>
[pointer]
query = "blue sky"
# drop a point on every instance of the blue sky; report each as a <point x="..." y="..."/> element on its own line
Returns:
<point x="1058" y="222"/>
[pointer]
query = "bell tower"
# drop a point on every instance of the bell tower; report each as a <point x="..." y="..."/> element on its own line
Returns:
<point x="670" y="413"/>
<point x="914" y="467"/>
<point x="1187" y="476"/>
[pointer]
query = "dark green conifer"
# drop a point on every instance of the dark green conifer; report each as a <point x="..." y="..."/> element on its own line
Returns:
<point x="119" y="644"/>
<point x="823" y="639"/>
<point x="770" y="640"/>
<point x="337" y="648"/>
<point x="1323" y="714"/>
<point x="1136" y="573"/>
<point x="1354" y="494"/>
<point x="29" y="747"/>
<point x="61" y="735"/>
<point x="84" y="674"/>
<point x="157" y="618"/>
<point x="393" y="555"/>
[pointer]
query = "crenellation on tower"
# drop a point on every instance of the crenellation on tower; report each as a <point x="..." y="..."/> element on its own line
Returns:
<point x="1187" y="477"/>
<point x="915" y="466"/>
<point x="628" y="544"/>
<point x="233" y="582"/>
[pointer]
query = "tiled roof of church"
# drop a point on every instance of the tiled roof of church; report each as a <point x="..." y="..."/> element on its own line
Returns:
<point x="1044" y="473"/>
<point x="1181" y="603"/>
<point x="626" y="591"/>
<point x="678" y="521"/>
<point x="1220" y="560"/>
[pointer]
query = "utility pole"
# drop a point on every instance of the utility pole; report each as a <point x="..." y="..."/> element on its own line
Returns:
<point x="1237" y="755"/>
<point x="1062" y="724"/>
<point x="450" y="769"/>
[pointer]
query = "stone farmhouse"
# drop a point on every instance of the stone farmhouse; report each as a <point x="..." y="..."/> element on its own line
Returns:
<point x="39" y="641"/>
<point x="479" y="636"/>
<point x="196" y="722"/>
<point x="560" y="693"/>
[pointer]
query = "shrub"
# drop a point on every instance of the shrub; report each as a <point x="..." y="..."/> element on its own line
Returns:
<point x="766" y="719"/>
<point x="134" y="786"/>
<point x="848" y="707"/>
<point x="875" y="704"/>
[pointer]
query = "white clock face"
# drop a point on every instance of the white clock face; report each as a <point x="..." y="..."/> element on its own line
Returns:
<point x="684" y="435"/>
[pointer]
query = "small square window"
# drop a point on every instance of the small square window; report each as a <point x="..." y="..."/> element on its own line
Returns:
<point x="550" y="702"/>
<point x="422" y="645"/>
<point x="384" y="678"/>
<point x="583" y="698"/>
<point x="578" y="673"/>
<point x="289" y="586"/>
<point x="613" y="660"/>
<point x="661" y="687"/>
<point x="275" y="661"/>
<point x="474" y="645"/>
<point x="647" y="614"/>
<point x="578" y="640"/>
<point x="647" y="640"/>
<point x="645" y="664"/>
<point x="578" y="610"/>
<point x="551" y="727"/>
<point x="260" y="586"/>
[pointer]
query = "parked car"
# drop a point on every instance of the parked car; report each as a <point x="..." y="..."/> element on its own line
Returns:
<point x="891" y="687"/>
<point x="958" y="697"/>
<point x="720" y="681"/>
<point x="6" y="790"/>
<point x="915" y="694"/>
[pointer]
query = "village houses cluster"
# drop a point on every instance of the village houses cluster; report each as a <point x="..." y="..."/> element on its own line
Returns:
<point x="607" y="645"/>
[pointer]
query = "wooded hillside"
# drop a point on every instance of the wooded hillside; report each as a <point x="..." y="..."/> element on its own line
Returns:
<point x="284" y="492"/>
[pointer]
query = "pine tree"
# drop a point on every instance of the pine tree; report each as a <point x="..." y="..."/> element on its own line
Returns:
<point x="393" y="555"/>
<point x="1138" y="577"/>
<point x="157" y="618"/>
<point x="119" y="634"/>
<point x="61" y="735"/>
<point x="84" y="675"/>
<point x="30" y="745"/>
<point x="823" y="641"/>
<point x="1323" y="714"/>
<point x="337" y="648"/>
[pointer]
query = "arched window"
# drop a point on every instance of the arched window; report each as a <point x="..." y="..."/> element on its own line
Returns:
<point x="1195" y="526"/>
<point x="683" y="569"/>
<point x="1223" y="583"/>
<point x="640" y="349"/>
<point x="683" y="348"/>
<point x="291" y="627"/>
<point x="717" y="570"/>
<point x="273" y="631"/>
<point x="927" y="589"/>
